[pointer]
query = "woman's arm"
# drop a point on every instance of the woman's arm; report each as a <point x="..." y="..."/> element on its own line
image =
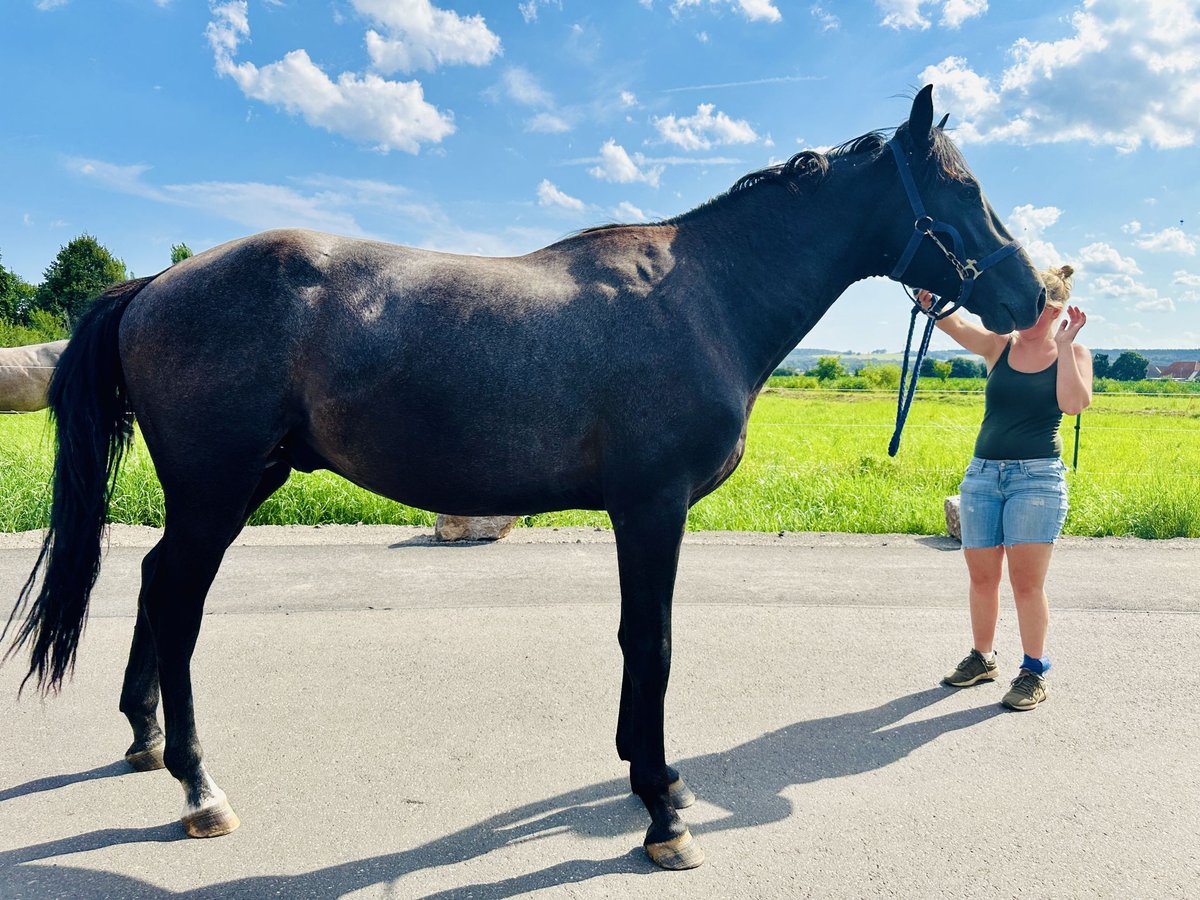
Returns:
<point x="1074" y="383"/>
<point x="968" y="335"/>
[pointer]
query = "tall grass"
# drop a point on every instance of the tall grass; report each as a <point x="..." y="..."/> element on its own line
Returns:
<point x="815" y="461"/>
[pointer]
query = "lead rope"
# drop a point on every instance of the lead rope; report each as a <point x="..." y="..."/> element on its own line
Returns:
<point x="904" y="401"/>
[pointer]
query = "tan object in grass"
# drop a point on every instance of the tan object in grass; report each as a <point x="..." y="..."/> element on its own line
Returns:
<point x="25" y="375"/>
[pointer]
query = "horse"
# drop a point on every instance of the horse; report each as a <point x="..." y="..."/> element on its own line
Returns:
<point x="619" y="367"/>
<point x="25" y="375"/>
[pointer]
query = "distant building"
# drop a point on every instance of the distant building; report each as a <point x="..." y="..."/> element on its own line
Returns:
<point x="1183" y="370"/>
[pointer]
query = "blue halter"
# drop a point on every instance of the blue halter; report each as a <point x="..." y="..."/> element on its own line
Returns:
<point x="925" y="226"/>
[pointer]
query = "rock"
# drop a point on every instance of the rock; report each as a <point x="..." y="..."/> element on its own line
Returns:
<point x="952" y="522"/>
<point x="472" y="528"/>
<point x="25" y="375"/>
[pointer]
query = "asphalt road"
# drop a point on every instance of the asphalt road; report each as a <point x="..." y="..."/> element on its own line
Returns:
<point x="392" y="718"/>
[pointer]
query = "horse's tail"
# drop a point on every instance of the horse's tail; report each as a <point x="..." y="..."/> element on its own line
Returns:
<point x="94" y="426"/>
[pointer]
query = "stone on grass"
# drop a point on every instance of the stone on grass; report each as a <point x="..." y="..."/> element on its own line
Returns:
<point x="952" y="520"/>
<point x="472" y="528"/>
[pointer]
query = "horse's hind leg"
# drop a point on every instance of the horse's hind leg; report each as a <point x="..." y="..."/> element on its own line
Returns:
<point x="139" y="694"/>
<point x="140" y="691"/>
<point x="203" y="517"/>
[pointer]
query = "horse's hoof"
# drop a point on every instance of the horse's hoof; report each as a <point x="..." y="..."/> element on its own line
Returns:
<point x="213" y="820"/>
<point x="680" y="852"/>
<point x="146" y="760"/>
<point x="681" y="795"/>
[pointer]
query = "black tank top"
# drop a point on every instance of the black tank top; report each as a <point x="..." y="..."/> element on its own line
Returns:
<point x="1021" y="415"/>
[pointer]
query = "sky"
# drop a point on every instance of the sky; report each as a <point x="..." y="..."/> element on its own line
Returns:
<point x="496" y="127"/>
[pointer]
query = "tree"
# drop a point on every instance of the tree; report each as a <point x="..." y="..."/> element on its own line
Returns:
<point x="827" y="368"/>
<point x="1130" y="366"/>
<point x="80" y="271"/>
<point x="882" y="377"/>
<point x="1100" y="365"/>
<point x="965" y="367"/>
<point x="180" y="252"/>
<point x="16" y="295"/>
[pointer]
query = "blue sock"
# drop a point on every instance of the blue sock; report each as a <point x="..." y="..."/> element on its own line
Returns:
<point x="1040" y="666"/>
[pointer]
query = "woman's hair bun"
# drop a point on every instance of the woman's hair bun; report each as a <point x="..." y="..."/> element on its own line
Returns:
<point x="1065" y="272"/>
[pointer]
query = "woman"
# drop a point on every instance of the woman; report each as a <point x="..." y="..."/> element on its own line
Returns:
<point x="1014" y="494"/>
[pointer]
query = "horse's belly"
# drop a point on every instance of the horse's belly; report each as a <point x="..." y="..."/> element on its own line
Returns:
<point x="475" y="474"/>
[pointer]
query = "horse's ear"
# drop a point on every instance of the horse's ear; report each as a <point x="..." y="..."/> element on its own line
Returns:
<point x="945" y="119"/>
<point x="920" y="120"/>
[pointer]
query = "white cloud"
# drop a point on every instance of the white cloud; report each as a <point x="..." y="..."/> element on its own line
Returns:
<point x="899" y="14"/>
<point x="519" y="84"/>
<point x="1127" y="73"/>
<point x="1132" y="227"/>
<point x="419" y="35"/>
<point x="253" y="204"/>
<point x="966" y="94"/>
<point x="955" y="12"/>
<point x="45" y="5"/>
<point x="628" y="98"/>
<point x="1187" y="279"/>
<point x="827" y="20"/>
<point x="547" y="123"/>
<point x="1169" y="240"/>
<point x="1123" y="287"/>
<point x="754" y="10"/>
<point x="1158" y="304"/>
<point x="1102" y="257"/>
<point x="625" y="211"/>
<point x="616" y="165"/>
<point x="701" y="131"/>
<point x="1026" y="223"/>
<point x="529" y="9"/>
<point x="390" y="115"/>
<point x="549" y="195"/>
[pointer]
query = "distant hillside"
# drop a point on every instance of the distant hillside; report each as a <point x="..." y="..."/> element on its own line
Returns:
<point x="1160" y="358"/>
<point x="804" y="358"/>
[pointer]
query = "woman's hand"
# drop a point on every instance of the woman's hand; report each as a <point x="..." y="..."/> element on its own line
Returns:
<point x="924" y="298"/>
<point x="1070" y="325"/>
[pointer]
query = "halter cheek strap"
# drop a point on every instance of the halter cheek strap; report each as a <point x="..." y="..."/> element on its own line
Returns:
<point x="925" y="226"/>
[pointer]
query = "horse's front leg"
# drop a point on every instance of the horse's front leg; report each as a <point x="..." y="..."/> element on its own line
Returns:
<point x="648" y="537"/>
<point x="681" y="795"/>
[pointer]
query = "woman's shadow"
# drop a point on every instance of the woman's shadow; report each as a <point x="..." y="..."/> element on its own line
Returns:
<point x="747" y="782"/>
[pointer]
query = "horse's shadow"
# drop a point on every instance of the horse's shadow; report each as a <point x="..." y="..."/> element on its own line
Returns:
<point x="747" y="782"/>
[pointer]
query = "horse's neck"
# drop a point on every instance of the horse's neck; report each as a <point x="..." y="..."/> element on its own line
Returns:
<point x="778" y="264"/>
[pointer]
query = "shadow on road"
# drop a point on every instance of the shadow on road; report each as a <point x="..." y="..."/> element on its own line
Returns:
<point x="108" y="770"/>
<point x="746" y="781"/>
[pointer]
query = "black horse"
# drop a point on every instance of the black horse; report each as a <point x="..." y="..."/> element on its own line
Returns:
<point x="618" y="368"/>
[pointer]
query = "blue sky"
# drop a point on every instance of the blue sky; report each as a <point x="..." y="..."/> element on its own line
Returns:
<point x="489" y="127"/>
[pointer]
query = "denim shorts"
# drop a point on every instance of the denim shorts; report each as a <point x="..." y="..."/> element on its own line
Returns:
<point x="1012" y="501"/>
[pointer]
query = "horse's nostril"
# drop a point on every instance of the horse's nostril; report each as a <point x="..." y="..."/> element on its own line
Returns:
<point x="1041" y="301"/>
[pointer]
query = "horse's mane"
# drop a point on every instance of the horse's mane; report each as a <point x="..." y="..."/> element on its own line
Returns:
<point x="808" y="168"/>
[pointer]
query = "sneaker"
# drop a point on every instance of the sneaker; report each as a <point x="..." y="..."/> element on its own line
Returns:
<point x="1027" y="691"/>
<point x="973" y="669"/>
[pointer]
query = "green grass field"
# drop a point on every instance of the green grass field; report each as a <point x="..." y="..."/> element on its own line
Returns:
<point x="815" y="461"/>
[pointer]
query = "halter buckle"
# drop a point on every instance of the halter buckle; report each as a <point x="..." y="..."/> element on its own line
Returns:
<point x="970" y="270"/>
<point x="923" y="224"/>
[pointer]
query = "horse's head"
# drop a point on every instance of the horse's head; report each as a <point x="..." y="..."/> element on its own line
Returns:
<point x="947" y="238"/>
